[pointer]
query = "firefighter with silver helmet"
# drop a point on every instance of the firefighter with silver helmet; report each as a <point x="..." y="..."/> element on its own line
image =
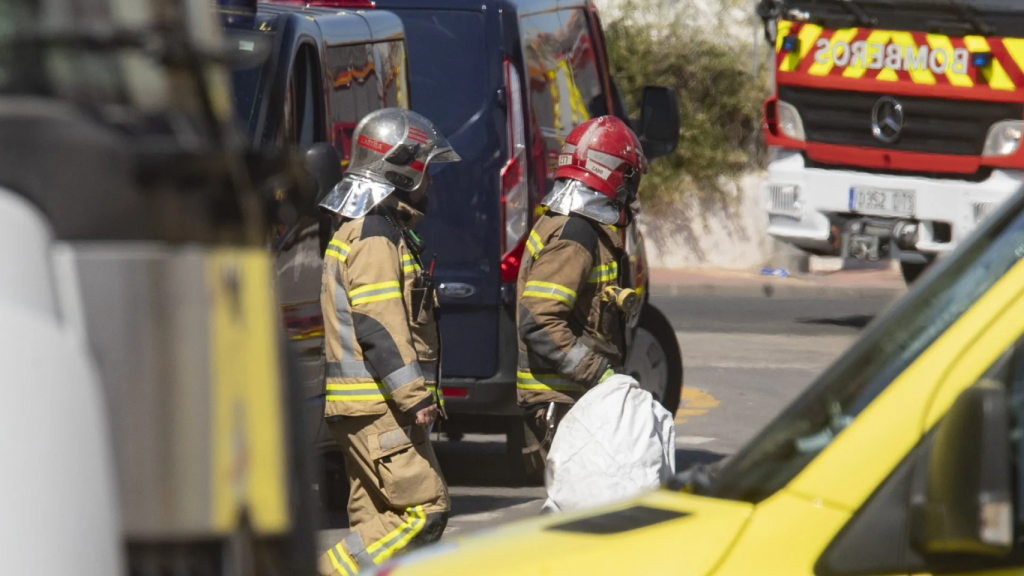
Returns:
<point x="572" y="307"/>
<point x="382" y="342"/>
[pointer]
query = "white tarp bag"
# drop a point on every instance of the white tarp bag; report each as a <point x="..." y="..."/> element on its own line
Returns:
<point x="616" y="442"/>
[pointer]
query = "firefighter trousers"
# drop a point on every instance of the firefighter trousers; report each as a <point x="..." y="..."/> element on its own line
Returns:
<point x="398" y="498"/>
<point x="539" y="432"/>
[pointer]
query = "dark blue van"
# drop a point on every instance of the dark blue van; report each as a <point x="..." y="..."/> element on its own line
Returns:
<point x="506" y="80"/>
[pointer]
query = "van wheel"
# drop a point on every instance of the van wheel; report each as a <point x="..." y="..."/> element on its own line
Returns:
<point x="655" y="360"/>
<point x="912" y="271"/>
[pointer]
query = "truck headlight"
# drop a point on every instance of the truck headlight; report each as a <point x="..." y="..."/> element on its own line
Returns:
<point x="1004" y="138"/>
<point x="790" y="123"/>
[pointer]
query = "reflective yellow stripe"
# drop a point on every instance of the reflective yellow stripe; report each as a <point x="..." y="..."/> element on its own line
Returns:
<point x="435" y="390"/>
<point x="409" y="263"/>
<point x="376" y="292"/>
<point x="415" y="527"/>
<point x="604" y="273"/>
<point x="353" y="569"/>
<point x="341" y="250"/>
<point x="371" y="287"/>
<point x="378" y="298"/>
<point x="358" y="392"/>
<point x="526" y="380"/>
<point x="550" y="291"/>
<point x="384" y="548"/>
<point x="337" y="565"/>
<point x="534" y="243"/>
<point x="338" y="255"/>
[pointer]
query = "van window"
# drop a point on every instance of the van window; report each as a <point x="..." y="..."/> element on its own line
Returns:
<point x="447" y="65"/>
<point x="561" y="65"/>
<point x="390" y="60"/>
<point x="254" y="59"/>
<point x="355" y="92"/>
<point x="810" y="423"/>
<point x="583" y="62"/>
<point x="300" y="125"/>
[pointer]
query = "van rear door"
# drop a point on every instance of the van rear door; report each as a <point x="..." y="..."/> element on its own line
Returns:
<point x="454" y="74"/>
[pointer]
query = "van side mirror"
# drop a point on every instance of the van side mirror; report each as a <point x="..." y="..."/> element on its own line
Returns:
<point x="323" y="163"/>
<point x="659" y="121"/>
<point x="768" y="11"/>
<point x="962" y="501"/>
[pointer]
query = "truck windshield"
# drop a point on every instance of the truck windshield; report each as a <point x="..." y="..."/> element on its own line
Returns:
<point x="447" y="65"/>
<point x="840" y="394"/>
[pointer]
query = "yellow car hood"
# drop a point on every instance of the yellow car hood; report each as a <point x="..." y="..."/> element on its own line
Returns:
<point x="661" y="532"/>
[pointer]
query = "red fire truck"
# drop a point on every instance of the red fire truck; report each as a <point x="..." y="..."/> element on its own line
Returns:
<point x="894" y="125"/>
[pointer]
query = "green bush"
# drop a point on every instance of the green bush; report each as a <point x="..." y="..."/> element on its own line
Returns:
<point x="653" y="43"/>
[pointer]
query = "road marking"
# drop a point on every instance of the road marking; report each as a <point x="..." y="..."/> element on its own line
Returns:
<point x="694" y="402"/>
<point x="692" y="440"/>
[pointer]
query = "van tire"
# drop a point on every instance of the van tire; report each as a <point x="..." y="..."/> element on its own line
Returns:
<point x="912" y="271"/>
<point x="656" y="333"/>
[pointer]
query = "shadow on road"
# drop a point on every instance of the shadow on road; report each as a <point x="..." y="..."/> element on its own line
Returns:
<point x="477" y="503"/>
<point x="477" y="462"/>
<point x="482" y="463"/>
<point x="688" y="457"/>
<point x="857" y="321"/>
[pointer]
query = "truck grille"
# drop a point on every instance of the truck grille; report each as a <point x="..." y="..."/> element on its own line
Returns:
<point x="931" y="125"/>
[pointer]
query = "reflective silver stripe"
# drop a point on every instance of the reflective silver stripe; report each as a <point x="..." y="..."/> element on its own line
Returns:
<point x="573" y="358"/>
<point x="394" y="438"/>
<point x="354" y="543"/>
<point x="349" y="369"/>
<point x="346" y="333"/>
<point x="429" y="370"/>
<point x="402" y="376"/>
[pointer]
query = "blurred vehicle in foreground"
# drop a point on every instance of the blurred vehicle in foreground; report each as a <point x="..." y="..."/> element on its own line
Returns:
<point x="149" y="428"/>
<point x="896" y="127"/>
<point x="305" y="75"/>
<point x="904" y="457"/>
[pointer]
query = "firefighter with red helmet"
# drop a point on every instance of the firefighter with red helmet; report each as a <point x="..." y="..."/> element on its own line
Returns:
<point x="571" y="334"/>
<point x="382" y="343"/>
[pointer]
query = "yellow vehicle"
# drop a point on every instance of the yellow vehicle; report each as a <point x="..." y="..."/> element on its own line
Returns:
<point x="904" y="457"/>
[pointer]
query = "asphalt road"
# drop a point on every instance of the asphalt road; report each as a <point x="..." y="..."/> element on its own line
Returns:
<point x="744" y="358"/>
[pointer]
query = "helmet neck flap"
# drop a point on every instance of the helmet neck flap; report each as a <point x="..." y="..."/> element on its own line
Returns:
<point x="355" y="196"/>
<point x="572" y="196"/>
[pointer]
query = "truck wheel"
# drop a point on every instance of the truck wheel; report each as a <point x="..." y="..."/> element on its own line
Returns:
<point x="655" y="360"/>
<point x="912" y="270"/>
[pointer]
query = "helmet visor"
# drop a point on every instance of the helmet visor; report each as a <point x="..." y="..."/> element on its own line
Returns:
<point x="443" y="152"/>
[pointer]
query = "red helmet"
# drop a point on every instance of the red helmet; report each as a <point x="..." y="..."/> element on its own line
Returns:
<point x="606" y="155"/>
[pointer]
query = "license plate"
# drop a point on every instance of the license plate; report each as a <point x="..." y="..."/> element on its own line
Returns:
<point x="883" y="201"/>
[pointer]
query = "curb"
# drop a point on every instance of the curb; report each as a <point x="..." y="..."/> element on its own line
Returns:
<point x="775" y="289"/>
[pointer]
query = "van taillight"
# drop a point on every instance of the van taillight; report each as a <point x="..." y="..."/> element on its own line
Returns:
<point x="515" y="205"/>
<point x="771" y="116"/>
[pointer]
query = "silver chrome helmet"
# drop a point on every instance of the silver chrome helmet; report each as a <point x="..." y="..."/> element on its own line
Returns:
<point x="391" y="149"/>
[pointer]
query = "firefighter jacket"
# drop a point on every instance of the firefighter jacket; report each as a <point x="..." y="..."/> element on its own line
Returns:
<point x="568" y="335"/>
<point x="380" y="330"/>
